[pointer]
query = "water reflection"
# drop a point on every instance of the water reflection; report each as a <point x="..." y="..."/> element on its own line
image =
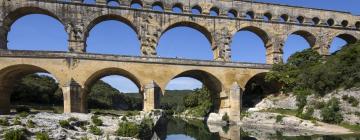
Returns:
<point x="178" y="129"/>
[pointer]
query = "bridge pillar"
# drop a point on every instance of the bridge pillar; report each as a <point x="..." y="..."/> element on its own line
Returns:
<point x="74" y="99"/>
<point x="221" y="45"/>
<point x="274" y="50"/>
<point x="76" y="35"/>
<point x="322" y="44"/>
<point x="3" y="38"/>
<point x="235" y="97"/>
<point x="152" y="93"/>
<point x="5" y="94"/>
<point x="149" y="34"/>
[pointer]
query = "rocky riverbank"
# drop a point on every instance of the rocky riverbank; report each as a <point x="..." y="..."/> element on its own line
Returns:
<point x="78" y="127"/>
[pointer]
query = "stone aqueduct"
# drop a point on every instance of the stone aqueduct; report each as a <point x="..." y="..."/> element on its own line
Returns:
<point x="77" y="70"/>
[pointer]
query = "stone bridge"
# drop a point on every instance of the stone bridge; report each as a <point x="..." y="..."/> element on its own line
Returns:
<point x="76" y="70"/>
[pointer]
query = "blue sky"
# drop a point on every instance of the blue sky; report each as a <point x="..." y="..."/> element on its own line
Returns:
<point x="40" y="32"/>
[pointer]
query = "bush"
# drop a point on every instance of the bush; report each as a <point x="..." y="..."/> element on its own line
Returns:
<point x="353" y="101"/>
<point x="128" y="129"/>
<point x="279" y="118"/>
<point x="319" y="105"/>
<point x="30" y="124"/>
<point x="42" y="136"/>
<point x="4" y="122"/>
<point x="64" y="124"/>
<point x="132" y="113"/>
<point x="331" y="113"/>
<point x="72" y="119"/>
<point x="17" y="121"/>
<point x="95" y="130"/>
<point x="225" y="118"/>
<point x="345" y="97"/>
<point x="96" y="121"/>
<point x="23" y="114"/>
<point x="18" y="134"/>
<point x="308" y="114"/>
<point x="20" y="109"/>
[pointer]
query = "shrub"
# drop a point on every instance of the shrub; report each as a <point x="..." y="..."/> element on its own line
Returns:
<point x="124" y="118"/>
<point x="345" y="97"/>
<point x="331" y="113"/>
<point x="30" y="124"/>
<point x="21" y="109"/>
<point x="319" y="105"/>
<point x="95" y="130"/>
<point x="23" y="114"/>
<point x="225" y="117"/>
<point x="84" y="138"/>
<point x="42" y="136"/>
<point x="17" y="121"/>
<point x="279" y="118"/>
<point x="128" y="129"/>
<point x="96" y="121"/>
<point x="132" y="113"/>
<point x="72" y="119"/>
<point x="64" y="124"/>
<point x="308" y="114"/>
<point x="353" y="101"/>
<point x="145" y="128"/>
<point x="18" y="134"/>
<point x="4" y="122"/>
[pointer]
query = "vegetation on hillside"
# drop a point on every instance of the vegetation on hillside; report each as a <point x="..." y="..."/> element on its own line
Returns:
<point x="308" y="73"/>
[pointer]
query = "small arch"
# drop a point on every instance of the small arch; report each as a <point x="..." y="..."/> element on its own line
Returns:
<point x="193" y="25"/>
<point x="330" y="22"/>
<point x="136" y="4"/>
<point x="214" y="11"/>
<point x="357" y="25"/>
<point x="178" y="8"/>
<point x="250" y="15"/>
<point x="267" y="16"/>
<point x="284" y="18"/>
<point x="344" y="23"/>
<point x="113" y="3"/>
<point x="158" y="6"/>
<point x="89" y="1"/>
<point x="257" y="88"/>
<point x="316" y="21"/>
<point x="197" y="10"/>
<point x="111" y="71"/>
<point x="300" y="19"/>
<point x="232" y="13"/>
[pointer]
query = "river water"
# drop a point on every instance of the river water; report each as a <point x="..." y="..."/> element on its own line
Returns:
<point x="178" y="129"/>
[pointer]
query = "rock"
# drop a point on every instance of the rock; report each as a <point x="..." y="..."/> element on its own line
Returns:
<point x="281" y="101"/>
<point x="216" y="118"/>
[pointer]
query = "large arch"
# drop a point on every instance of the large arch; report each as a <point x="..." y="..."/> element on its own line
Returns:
<point x="298" y="40"/>
<point x="11" y="75"/>
<point x="99" y="19"/>
<point x="211" y="82"/>
<point x="308" y="36"/>
<point x="340" y="40"/>
<point x="257" y="88"/>
<point x="24" y="11"/>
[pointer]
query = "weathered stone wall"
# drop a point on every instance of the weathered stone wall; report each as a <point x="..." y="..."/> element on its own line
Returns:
<point x="317" y="26"/>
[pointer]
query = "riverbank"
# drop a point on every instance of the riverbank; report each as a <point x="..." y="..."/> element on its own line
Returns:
<point x="73" y="125"/>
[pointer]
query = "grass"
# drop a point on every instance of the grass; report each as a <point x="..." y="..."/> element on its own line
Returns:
<point x="282" y="111"/>
<point x="354" y="128"/>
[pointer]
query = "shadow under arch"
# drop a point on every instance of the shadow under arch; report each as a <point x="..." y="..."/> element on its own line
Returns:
<point x="110" y="71"/>
<point x="257" y="88"/>
<point x="24" y="11"/>
<point x="11" y="75"/>
<point x="192" y="25"/>
<point x="308" y="36"/>
<point x="212" y="83"/>
<point x="350" y="39"/>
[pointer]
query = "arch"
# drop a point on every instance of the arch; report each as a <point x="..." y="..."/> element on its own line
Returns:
<point x="157" y="6"/>
<point x="134" y="3"/>
<point x="103" y="18"/>
<point x="250" y="15"/>
<point x="330" y="22"/>
<point x="341" y="40"/>
<point x="316" y="21"/>
<point x="267" y="16"/>
<point x="344" y="23"/>
<point x="258" y="31"/>
<point x="257" y="88"/>
<point x="350" y="39"/>
<point x="232" y="13"/>
<point x="209" y="81"/>
<point x="111" y="71"/>
<point x="196" y="26"/>
<point x="178" y="6"/>
<point x="196" y="9"/>
<point x="113" y="3"/>
<point x="308" y="36"/>
<point x="300" y="19"/>
<point x="357" y="25"/>
<point x="214" y="11"/>
<point x="284" y="18"/>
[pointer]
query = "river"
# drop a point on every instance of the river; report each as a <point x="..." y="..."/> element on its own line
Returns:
<point x="178" y="129"/>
